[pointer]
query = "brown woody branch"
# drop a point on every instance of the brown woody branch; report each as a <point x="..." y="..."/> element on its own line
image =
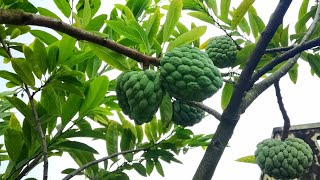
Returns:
<point x="41" y="134"/>
<point x="16" y="17"/>
<point x="285" y="116"/>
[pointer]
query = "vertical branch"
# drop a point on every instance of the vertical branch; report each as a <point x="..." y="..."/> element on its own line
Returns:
<point x="41" y="134"/>
<point x="285" y="116"/>
<point x="5" y="47"/>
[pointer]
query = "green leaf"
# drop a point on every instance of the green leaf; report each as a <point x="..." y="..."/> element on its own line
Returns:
<point x="244" y="54"/>
<point x="284" y="37"/>
<point x="14" y="123"/>
<point x="153" y="24"/>
<point x="96" y="23"/>
<point x="126" y="143"/>
<point x="187" y="37"/>
<point x="21" y="67"/>
<point x="139" y="133"/>
<point x="25" y="6"/>
<point x="21" y="107"/>
<point x="15" y="33"/>
<point x="48" y="13"/>
<point x="63" y="6"/>
<point x="13" y="140"/>
<point x="66" y="87"/>
<point x="244" y="26"/>
<point x="166" y="110"/>
<point x="127" y="12"/>
<point x="224" y="9"/>
<point x="53" y="55"/>
<point x="147" y="131"/>
<point x="66" y="145"/>
<point x="40" y="55"/>
<point x="86" y="13"/>
<point x="194" y="5"/>
<point x="70" y="170"/>
<point x="247" y="159"/>
<point x="70" y="108"/>
<point x="66" y="47"/>
<point x="95" y="94"/>
<point x="44" y="36"/>
<point x="159" y="167"/>
<point x="51" y="101"/>
<point x="141" y="33"/>
<point x="32" y="61"/>
<point x="314" y="62"/>
<point x="213" y="5"/>
<point x="127" y="124"/>
<point x="8" y="2"/>
<point x="149" y="166"/>
<point x="240" y="12"/>
<point x="293" y="73"/>
<point x="202" y="16"/>
<point x="112" y="58"/>
<point x="303" y="8"/>
<point x="10" y="77"/>
<point x="140" y="169"/>
<point x="226" y="94"/>
<point x="112" y="139"/>
<point x="172" y="18"/>
<point x="138" y="6"/>
<point x="300" y="26"/>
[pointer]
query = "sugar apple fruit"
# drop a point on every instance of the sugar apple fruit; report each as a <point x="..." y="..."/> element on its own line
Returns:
<point x="287" y="159"/>
<point x="222" y="51"/>
<point x="187" y="73"/>
<point x="139" y="94"/>
<point x="186" y="115"/>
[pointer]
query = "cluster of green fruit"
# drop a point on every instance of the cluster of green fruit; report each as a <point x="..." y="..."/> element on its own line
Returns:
<point x="186" y="73"/>
<point x="286" y="159"/>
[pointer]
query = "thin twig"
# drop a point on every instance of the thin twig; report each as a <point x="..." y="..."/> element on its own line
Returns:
<point x="285" y="116"/>
<point x="77" y="171"/>
<point x="15" y="17"/>
<point x="41" y="134"/>
<point x="205" y="108"/>
<point x="6" y="48"/>
<point x="280" y="49"/>
<point x="103" y="70"/>
<point x="29" y="167"/>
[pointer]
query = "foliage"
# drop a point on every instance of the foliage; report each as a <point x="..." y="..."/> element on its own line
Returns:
<point x="68" y="78"/>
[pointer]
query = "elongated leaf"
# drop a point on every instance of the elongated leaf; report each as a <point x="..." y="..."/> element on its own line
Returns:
<point x="149" y="166"/>
<point x="240" y="12"/>
<point x="32" y="61"/>
<point x="65" y="145"/>
<point x="303" y="8"/>
<point x="202" y="16"/>
<point x="66" y="47"/>
<point x="226" y="95"/>
<point x="142" y="34"/>
<point x="140" y="169"/>
<point x="224" y="9"/>
<point x="128" y="13"/>
<point x="86" y="13"/>
<point x="244" y="26"/>
<point x="48" y="13"/>
<point x="159" y="167"/>
<point x="40" y="55"/>
<point x="139" y="133"/>
<point x="64" y="7"/>
<point x="21" y="67"/>
<point x="21" y="107"/>
<point x="213" y="5"/>
<point x="25" y="6"/>
<point x="124" y="29"/>
<point x="314" y="62"/>
<point x="70" y="108"/>
<point x="244" y="54"/>
<point x="247" y="159"/>
<point x="293" y="73"/>
<point x="96" y="23"/>
<point x="66" y="87"/>
<point x="95" y="94"/>
<point x="172" y="18"/>
<point x="147" y="131"/>
<point x="127" y="142"/>
<point x="13" y="140"/>
<point x="10" y="77"/>
<point x="112" y="58"/>
<point x="51" y="101"/>
<point x="44" y="36"/>
<point x="112" y="139"/>
<point x="127" y="124"/>
<point x="153" y="24"/>
<point x="53" y="55"/>
<point x="166" y="110"/>
<point x="70" y="170"/>
<point x="138" y="6"/>
<point x="187" y="37"/>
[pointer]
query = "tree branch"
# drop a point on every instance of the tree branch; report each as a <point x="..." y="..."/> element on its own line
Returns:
<point x="287" y="55"/>
<point x="9" y="16"/>
<point x="75" y="172"/>
<point x="260" y="87"/>
<point x="285" y="116"/>
<point x="30" y="166"/>
<point x="6" y="48"/>
<point x="41" y="134"/>
<point x="209" y="110"/>
<point x="280" y="49"/>
<point x="231" y="114"/>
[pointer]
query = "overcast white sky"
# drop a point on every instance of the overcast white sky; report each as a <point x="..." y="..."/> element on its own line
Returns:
<point x="256" y="124"/>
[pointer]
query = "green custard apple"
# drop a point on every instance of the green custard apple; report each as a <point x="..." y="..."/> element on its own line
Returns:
<point x="139" y="94"/>
<point x="186" y="115"/>
<point x="287" y="159"/>
<point x="188" y="73"/>
<point x="222" y="51"/>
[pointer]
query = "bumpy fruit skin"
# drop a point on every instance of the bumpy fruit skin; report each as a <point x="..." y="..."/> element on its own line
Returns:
<point x="222" y="51"/>
<point x="185" y="115"/>
<point x="284" y="160"/>
<point x="139" y="94"/>
<point x="187" y="73"/>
